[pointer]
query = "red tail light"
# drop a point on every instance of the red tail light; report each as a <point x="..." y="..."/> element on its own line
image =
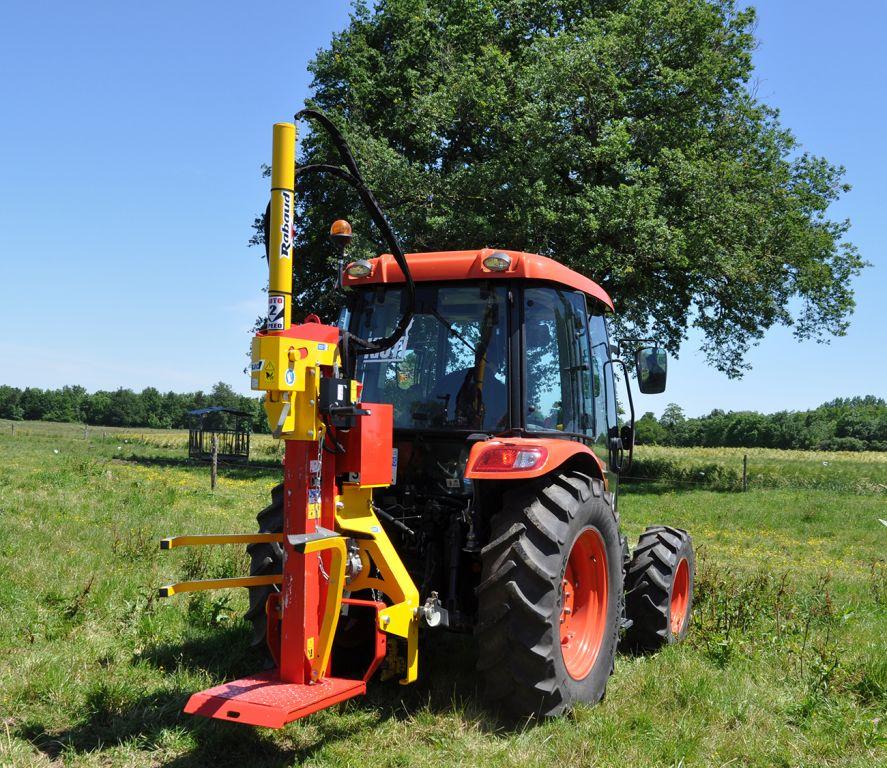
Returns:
<point x="510" y="458"/>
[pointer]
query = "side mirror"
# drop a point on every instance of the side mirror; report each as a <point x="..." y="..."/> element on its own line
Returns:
<point x="627" y="436"/>
<point x="651" y="366"/>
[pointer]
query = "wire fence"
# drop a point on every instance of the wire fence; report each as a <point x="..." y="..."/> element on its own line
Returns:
<point x="659" y="467"/>
<point x="864" y="474"/>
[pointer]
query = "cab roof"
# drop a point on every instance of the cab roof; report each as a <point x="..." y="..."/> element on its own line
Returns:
<point x="468" y="265"/>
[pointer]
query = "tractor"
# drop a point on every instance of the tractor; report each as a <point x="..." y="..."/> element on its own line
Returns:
<point x="452" y="461"/>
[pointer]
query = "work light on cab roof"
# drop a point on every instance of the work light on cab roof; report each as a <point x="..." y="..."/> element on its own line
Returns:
<point x="359" y="268"/>
<point x="498" y="261"/>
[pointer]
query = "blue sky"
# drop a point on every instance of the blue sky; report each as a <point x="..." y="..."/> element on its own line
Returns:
<point x="130" y="143"/>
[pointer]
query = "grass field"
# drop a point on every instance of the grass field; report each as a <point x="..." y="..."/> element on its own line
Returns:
<point x="786" y="663"/>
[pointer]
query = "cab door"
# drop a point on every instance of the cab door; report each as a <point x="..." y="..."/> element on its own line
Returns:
<point x="605" y="425"/>
<point x="557" y="382"/>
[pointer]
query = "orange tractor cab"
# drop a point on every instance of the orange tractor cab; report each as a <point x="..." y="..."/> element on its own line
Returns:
<point x="453" y="450"/>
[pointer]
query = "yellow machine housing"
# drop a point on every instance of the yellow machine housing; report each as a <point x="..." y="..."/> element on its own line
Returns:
<point x="288" y="370"/>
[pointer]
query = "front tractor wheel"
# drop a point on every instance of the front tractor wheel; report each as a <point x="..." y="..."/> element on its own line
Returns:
<point x="550" y="597"/>
<point x="659" y="588"/>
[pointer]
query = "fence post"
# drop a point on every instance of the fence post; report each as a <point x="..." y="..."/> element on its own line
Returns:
<point x="13" y="430"/>
<point x="214" y="467"/>
<point x="745" y="472"/>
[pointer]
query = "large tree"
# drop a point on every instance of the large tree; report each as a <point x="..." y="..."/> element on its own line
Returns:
<point x="621" y="137"/>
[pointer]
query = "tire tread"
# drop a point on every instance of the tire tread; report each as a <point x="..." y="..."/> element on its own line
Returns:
<point x="519" y="590"/>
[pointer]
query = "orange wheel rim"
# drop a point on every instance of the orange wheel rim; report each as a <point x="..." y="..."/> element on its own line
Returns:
<point x="584" y="595"/>
<point x="680" y="594"/>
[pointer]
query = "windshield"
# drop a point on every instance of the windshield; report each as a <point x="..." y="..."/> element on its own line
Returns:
<point x="450" y="368"/>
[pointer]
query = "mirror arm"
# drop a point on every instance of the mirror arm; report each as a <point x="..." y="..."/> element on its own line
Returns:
<point x="630" y="408"/>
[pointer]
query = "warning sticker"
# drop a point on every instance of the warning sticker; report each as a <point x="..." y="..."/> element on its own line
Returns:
<point x="313" y="503"/>
<point x="275" y="312"/>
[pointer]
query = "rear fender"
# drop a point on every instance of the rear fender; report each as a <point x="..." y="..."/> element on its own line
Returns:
<point x="557" y="453"/>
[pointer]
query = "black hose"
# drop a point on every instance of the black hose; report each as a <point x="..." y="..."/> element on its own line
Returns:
<point x="353" y="177"/>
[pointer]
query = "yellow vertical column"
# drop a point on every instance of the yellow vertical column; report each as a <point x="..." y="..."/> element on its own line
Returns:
<point x="280" y="233"/>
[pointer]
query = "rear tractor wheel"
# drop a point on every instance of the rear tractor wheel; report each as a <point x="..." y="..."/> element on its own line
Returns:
<point x="659" y="588"/>
<point x="265" y="560"/>
<point x="550" y="597"/>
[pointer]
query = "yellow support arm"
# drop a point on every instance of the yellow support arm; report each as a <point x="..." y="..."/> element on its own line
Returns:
<point x="170" y="542"/>
<point x="199" y="586"/>
<point x="401" y="618"/>
<point x="320" y="542"/>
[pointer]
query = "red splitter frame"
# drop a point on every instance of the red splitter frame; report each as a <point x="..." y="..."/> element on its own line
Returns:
<point x="275" y="698"/>
<point x="265" y="700"/>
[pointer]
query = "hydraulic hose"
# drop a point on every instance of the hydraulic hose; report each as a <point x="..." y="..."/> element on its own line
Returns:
<point x="353" y="177"/>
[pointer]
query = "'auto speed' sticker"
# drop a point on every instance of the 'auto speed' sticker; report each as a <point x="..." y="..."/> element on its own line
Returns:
<point x="275" y="313"/>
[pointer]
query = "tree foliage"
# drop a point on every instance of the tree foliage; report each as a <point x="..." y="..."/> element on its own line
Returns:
<point x="122" y="407"/>
<point x="621" y="137"/>
<point x="844" y="424"/>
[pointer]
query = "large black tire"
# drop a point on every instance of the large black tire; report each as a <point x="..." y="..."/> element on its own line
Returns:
<point x="520" y="597"/>
<point x="265" y="559"/>
<point x="654" y="603"/>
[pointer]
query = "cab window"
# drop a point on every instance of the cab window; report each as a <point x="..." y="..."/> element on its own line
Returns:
<point x="604" y="393"/>
<point x="450" y="368"/>
<point x="558" y="381"/>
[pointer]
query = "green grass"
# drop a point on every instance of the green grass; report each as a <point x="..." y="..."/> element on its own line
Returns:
<point x="862" y="472"/>
<point x="786" y="663"/>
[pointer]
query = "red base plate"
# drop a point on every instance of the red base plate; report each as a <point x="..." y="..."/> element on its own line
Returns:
<point x="265" y="700"/>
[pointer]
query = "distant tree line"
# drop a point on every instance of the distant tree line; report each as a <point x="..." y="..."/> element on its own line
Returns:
<point x="845" y="424"/>
<point x="122" y="407"/>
